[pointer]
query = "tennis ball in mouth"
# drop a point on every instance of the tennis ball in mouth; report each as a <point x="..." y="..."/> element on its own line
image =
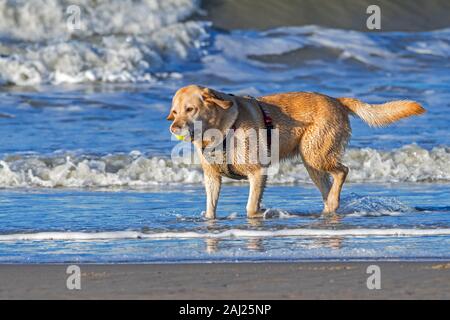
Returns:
<point x="181" y="138"/>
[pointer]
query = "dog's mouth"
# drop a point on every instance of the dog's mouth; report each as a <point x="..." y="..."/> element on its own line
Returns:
<point x="186" y="135"/>
<point x="191" y="134"/>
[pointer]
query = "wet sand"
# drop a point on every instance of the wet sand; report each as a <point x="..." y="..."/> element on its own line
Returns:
<point x="329" y="280"/>
<point x="396" y="15"/>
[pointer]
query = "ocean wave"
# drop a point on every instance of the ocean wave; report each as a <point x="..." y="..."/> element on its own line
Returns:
<point x="371" y="206"/>
<point x="39" y="20"/>
<point x="232" y="233"/>
<point x="146" y="40"/>
<point x="117" y="41"/>
<point x="250" y="55"/>
<point x="66" y="170"/>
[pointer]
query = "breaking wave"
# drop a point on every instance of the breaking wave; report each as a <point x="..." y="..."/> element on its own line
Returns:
<point x="114" y="41"/>
<point x="233" y="233"/>
<point x="146" y="40"/>
<point x="66" y="170"/>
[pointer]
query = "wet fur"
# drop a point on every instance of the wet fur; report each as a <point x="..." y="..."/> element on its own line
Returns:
<point x="313" y="126"/>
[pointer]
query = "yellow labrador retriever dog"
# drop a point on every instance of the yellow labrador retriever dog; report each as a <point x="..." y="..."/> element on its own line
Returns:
<point x="310" y="125"/>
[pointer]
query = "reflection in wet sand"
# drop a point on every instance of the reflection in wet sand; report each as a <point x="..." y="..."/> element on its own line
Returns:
<point x="255" y="244"/>
<point x="212" y="245"/>
<point x="329" y="221"/>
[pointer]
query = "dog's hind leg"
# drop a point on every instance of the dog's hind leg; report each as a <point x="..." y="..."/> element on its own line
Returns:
<point x="322" y="180"/>
<point x="339" y="174"/>
<point x="331" y="192"/>
<point x="321" y="149"/>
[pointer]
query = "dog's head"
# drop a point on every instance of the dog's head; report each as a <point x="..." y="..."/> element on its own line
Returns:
<point x="204" y="107"/>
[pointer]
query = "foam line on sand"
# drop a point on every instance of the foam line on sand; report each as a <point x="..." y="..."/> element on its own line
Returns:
<point x="232" y="233"/>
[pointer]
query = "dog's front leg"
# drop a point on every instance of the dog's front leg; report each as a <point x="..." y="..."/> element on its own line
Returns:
<point x="212" y="185"/>
<point x="257" y="184"/>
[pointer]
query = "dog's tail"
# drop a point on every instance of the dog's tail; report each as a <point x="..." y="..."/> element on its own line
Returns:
<point x="379" y="115"/>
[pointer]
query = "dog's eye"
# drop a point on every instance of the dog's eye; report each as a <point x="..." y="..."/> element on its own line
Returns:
<point x="189" y="109"/>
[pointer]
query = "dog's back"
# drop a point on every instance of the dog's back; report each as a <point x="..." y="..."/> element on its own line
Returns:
<point x="319" y="129"/>
<point x="311" y="107"/>
<point x="301" y="115"/>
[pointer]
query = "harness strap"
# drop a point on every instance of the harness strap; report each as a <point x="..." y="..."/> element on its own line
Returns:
<point x="230" y="171"/>
<point x="269" y="126"/>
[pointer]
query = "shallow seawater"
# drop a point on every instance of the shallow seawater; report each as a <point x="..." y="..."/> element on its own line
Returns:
<point x="163" y="225"/>
<point x="86" y="172"/>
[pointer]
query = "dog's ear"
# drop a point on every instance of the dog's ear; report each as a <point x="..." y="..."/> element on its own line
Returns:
<point x="210" y="96"/>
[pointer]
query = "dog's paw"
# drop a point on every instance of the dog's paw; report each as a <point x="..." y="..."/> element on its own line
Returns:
<point x="256" y="214"/>
<point x="208" y="215"/>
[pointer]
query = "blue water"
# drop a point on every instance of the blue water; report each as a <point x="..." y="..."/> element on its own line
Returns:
<point x="179" y="210"/>
<point x="85" y="169"/>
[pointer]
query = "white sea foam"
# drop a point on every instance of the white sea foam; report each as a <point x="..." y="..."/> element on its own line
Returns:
<point x="144" y="40"/>
<point x="246" y="56"/>
<point x="118" y="41"/>
<point x="232" y="233"/>
<point x="350" y="44"/>
<point x="39" y="20"/>
<point x="373" y="206"/>
<point x="438" y="48"/>
<point x="407" y="164"/>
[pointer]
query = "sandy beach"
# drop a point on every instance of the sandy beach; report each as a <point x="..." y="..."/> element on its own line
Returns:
<point x="327" y="280"/>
